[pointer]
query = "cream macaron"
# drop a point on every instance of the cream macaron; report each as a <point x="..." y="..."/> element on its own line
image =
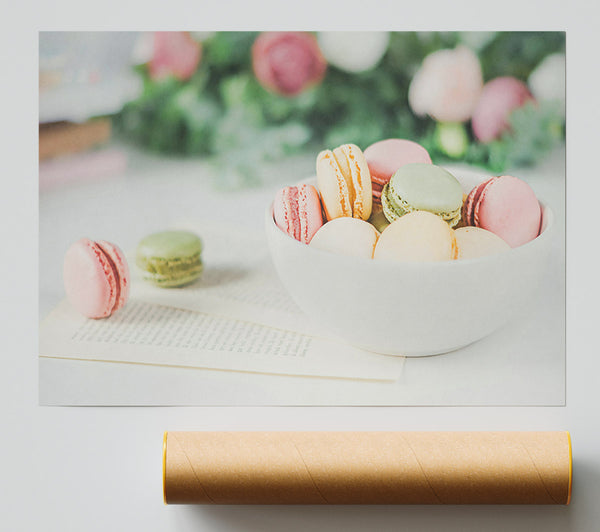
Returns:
<point x="473" y="242"/>
<point x="418" y="236"/>
<point x="344" y="182"/>
<point x="347" y="236"/>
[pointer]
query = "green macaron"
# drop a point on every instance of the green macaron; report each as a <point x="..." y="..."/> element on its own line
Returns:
<point x="422" y="187"/>
<point x="170" y="258"/>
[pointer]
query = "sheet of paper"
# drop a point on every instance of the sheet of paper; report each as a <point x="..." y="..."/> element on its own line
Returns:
<point x="147" y="333"/>
<point x="237" y="316"/>
<point x="252" y="294"/>
<point x="239" y="281"/>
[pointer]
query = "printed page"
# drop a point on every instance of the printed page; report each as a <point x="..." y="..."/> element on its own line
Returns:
<point x="147" y="333"/>
<point x="239" y="281"/>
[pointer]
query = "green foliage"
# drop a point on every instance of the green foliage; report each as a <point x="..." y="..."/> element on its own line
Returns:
<point x="534" y="130"/>
<point x="223" y="112"/>
<point x="518" y="53"/>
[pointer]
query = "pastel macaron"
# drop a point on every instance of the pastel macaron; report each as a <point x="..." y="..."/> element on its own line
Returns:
<point x="297" y="211"/>
<point x="423" y="187"/>
<point x="96" y="277"/>
<point x="506" y="206"/>
<point x="347" y="236"/>
<point x="474" y="242"/>
<point x="344" y="182"/>
<point x="418" y="236"/>
<point x="386" y="156"/>
<point x="170" y="258"/>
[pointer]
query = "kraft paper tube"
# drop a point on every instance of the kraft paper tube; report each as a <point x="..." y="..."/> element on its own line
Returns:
<point x="367" y="467"/>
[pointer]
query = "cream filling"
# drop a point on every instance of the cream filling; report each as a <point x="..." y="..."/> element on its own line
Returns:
<point x="394" y="207"/>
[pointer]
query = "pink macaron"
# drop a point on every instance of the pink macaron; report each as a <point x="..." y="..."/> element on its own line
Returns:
<point x="96" y="277"/>
<point x="297" y="211"/>
<point x="386" y="156"/>
<point x="506" y="206"/>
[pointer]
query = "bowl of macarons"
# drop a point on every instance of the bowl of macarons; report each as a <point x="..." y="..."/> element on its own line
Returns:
<point x="399" y="256"/>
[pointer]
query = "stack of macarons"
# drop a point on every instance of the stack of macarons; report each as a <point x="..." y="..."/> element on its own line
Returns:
<point x="386" y="156"/>
<point x="96" y="275"/>
<point x="391" y="203"/>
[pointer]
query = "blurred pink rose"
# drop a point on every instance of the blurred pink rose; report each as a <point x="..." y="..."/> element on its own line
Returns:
<point x="287" y="62"/>
<point x="447" y="86"/>
<point x="175" y="54"/>
<point x="499" y="98"/>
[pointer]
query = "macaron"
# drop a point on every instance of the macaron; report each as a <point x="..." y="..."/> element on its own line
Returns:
<point x="473" y="242"/>
<point x="417" y="237"/>
<point x="506" y="206"/>
<point x="297" y="211"/>
<point x="423" y="187"/>
<point x="386" y="156"/>
<point x="347" y="236"/>
<point x="344" y="182"/>
<point x="170" y="258"/>
<point x="96" y="277"/>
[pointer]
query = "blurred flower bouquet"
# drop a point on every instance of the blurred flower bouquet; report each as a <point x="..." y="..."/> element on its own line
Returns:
<point x="491" y="99"/>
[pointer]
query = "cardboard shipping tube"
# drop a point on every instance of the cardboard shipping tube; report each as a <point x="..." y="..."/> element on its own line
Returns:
<point x="367" y="467"/>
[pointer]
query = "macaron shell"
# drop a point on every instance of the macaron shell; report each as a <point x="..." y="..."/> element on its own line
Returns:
<point x="386" y="156"/>
<point x="347" y="236"/>
<point x="171" y="280"/>
<point x="344" y="182"/>
<point x="391" y="209"/>
<point x="285" y="211"/>
<point x="468" y="213"/>
<point x="426" y="187"/>
<point x="474" y="242"/>
<point x="417" y="237"/>
<point x="169" y="245"/>
<point x="354" y="166"/>
<point x="121" y="270"/>
<point x="170" y="258"/>
<point x="333" y="186"/>
<point x="297" y="211"/>
<point x="89" y="279"/>
<point x="508" y="207"/>
<point x="309" y="212"/>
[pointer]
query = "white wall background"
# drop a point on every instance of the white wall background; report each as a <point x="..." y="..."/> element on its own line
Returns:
<point x="97" y="469"/>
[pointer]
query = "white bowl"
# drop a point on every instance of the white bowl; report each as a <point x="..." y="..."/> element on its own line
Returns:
<point x="410" y="309"/>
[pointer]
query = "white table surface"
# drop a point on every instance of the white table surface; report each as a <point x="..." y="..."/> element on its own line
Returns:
<point x="99" y="468"/>
<point x="523" y="363"/>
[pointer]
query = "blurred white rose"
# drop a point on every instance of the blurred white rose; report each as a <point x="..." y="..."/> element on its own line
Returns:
<point x="202" y="36"/>
<point x="353" y="51"/>
<point x="143" y="49"/>
<point x="447" y="86"/>
<point x="547" y="81"/>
